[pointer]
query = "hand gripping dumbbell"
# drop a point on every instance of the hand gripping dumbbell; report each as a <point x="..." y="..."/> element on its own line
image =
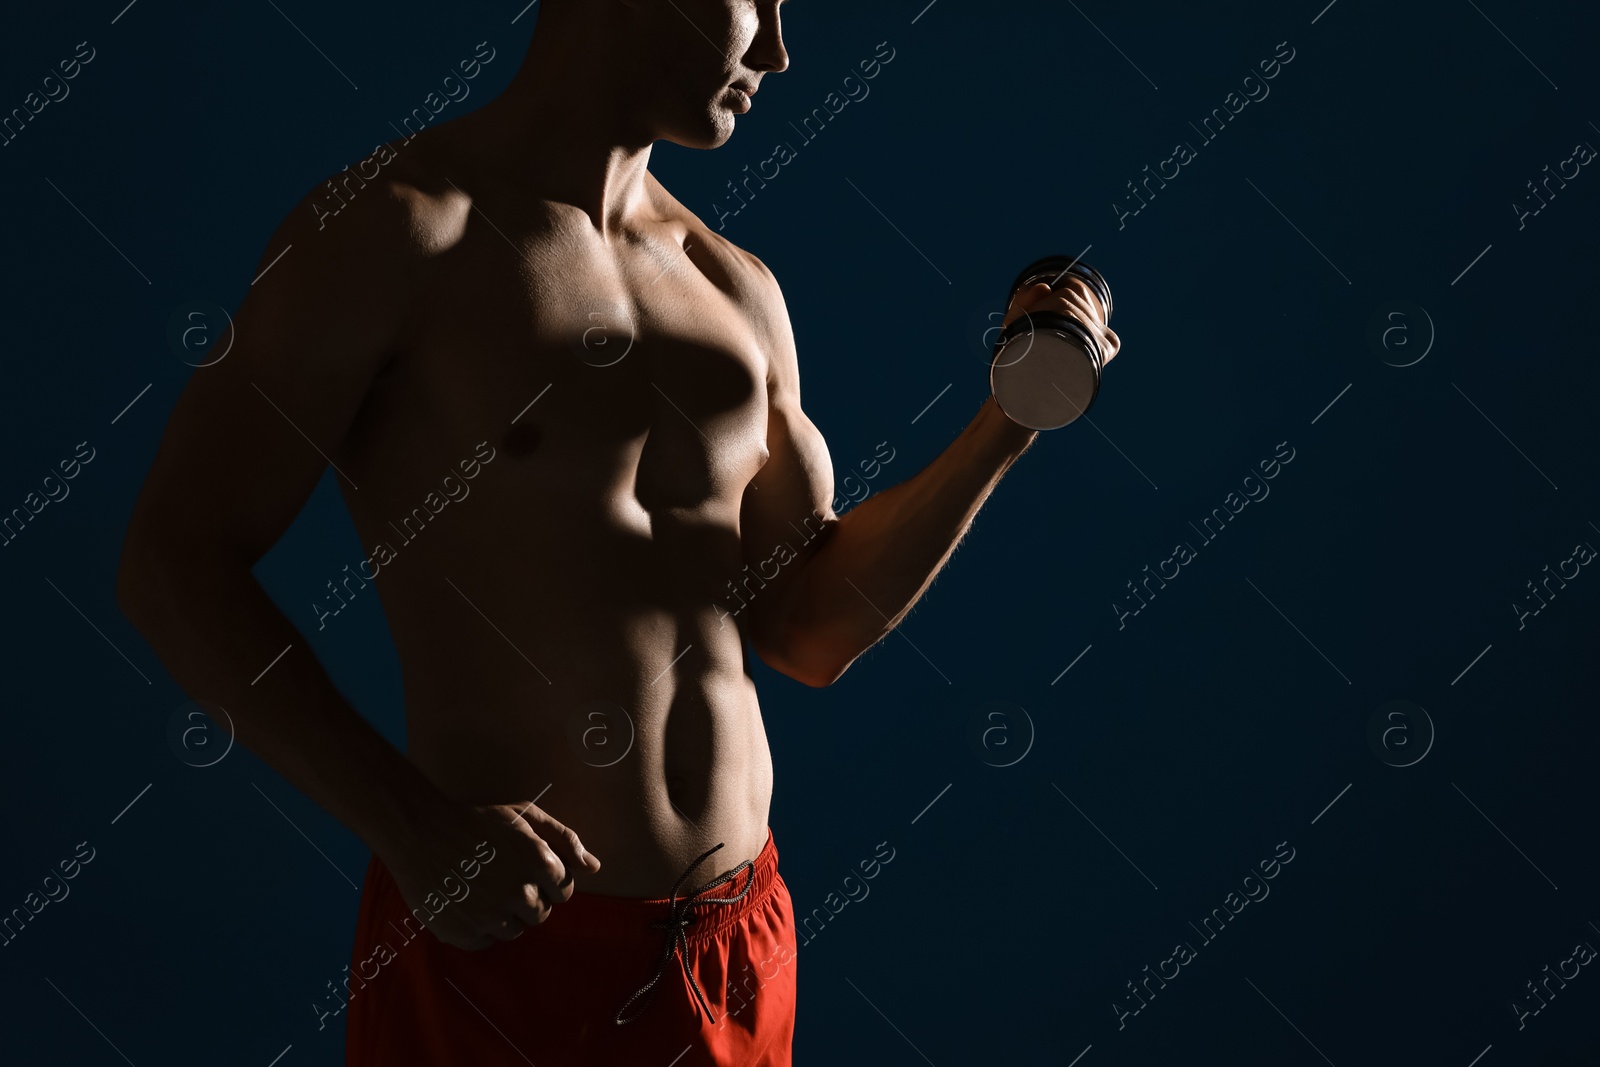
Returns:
<point x="1046" y="367"/>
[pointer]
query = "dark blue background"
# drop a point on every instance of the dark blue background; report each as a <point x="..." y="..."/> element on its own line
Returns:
<point x="1196" y="738"/>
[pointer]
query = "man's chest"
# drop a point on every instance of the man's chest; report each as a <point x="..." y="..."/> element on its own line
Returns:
<point x="581" y="359"/>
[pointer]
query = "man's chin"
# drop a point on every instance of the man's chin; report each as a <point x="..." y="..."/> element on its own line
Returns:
<point x="714" y="132"/>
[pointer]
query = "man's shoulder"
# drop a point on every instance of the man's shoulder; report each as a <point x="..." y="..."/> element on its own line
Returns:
<point x="753" y="289"/>
<point x="739" y="258"/>
<point x="390" y="203"/>
<point x="348" y="261"/>
<point x="748" y="282"/>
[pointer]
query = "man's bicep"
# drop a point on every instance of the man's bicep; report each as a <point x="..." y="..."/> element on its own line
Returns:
<point x="790" y="500"/>
<point x="786" y="516"/>
<point x="253" y="431"/>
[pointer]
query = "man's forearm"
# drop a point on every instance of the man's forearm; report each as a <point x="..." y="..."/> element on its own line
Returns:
<point x="216" y="631"/>
<point x="883" y="554"/>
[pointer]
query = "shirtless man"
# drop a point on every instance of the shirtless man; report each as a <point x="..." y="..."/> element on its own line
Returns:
<point x="589" y="569"/>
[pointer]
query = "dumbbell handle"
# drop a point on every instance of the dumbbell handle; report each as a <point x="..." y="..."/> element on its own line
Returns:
<point x="1052" y="269"/>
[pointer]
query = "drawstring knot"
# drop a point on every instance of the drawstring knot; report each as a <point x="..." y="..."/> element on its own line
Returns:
<point x="680" y="917"/>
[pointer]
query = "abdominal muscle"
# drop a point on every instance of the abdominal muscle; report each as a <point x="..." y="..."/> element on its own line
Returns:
<point x="607" y="688"/>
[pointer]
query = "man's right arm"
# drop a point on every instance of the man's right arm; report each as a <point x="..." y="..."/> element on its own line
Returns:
<point x="245" y="446"/>
<point x="232" y="472"/>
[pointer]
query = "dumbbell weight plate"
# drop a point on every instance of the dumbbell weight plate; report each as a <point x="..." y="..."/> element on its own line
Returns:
<point x="1046" y="367"/>
<point x="1046" y="371"/>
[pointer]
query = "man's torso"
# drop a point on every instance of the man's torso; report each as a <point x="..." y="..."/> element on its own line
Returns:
<point x="554" y="614"/>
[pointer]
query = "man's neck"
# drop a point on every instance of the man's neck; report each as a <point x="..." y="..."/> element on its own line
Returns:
<point x="576" y="138"/>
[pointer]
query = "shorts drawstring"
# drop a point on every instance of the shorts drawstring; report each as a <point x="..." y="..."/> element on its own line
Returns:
<point x="679" y="918"/>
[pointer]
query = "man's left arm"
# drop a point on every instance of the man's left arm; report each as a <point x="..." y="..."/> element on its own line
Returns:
<point x="837" y="593"/>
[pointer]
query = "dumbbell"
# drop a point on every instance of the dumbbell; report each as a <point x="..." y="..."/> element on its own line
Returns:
<point x="1046" y="367"/>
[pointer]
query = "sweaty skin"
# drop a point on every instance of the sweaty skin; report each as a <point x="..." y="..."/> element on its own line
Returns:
<point x="524" y="251"/>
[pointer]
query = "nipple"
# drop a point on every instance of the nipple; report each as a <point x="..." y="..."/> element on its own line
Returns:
<point x="523" y="439"/>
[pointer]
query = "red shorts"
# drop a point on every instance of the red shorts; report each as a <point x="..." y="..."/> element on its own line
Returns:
<point x="551" y="997"/>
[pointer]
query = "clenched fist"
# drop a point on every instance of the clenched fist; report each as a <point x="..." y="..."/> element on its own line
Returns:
<point x="486" y="873"/>
<point x="1072" y="297"/>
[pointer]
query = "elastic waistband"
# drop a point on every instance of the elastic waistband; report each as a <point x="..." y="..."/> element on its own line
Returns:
<point x="594" y="916"/>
